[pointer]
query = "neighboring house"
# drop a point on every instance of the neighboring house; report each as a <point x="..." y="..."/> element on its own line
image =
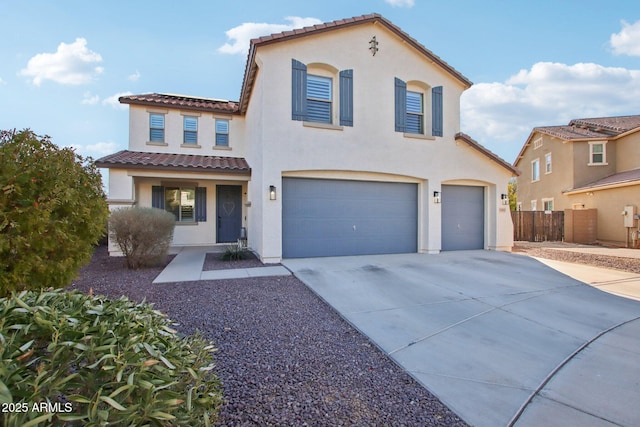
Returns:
<point x="588" y="164"/>
<point x="345" y="141"/>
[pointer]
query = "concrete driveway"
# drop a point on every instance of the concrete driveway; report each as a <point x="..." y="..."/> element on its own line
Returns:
<point x="502" y="339"/>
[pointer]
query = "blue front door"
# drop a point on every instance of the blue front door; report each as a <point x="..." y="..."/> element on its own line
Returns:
<point x="229" y="212"/>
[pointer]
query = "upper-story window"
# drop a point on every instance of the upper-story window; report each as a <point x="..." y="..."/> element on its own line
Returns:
<point x="222" y="132"/>
<point x="410" y="111"/>
<point x="597" y="153"/>
<point x="535" y="170"/>
<point x="312" y="94"/>
<point x="190" y="130"/>
<point x="547" y="163"/>
<point x="156" y="127"/>
<point x="319" y="99"/>
<point x="415" y="113"/>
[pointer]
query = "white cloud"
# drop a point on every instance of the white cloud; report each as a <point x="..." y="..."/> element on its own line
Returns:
<point x="627" y="41"/>
<point x="400" y="3"/>
<point x="88" y="99"/>
<point x="71" y="64"/>
<point x="501" y="115"/>
<point x="113" y="100"/>
<point x="240" y="36"/>
<point x="134" y="77"/>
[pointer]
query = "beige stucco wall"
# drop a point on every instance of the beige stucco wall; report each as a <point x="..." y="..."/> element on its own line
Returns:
<point x="628" y="152"/>
<point x="585" y="173"/>
<point x="610" y="203"/>
<point x="371" y="146"/>
<point x="550" y="185"/>
<point x="174" y="127"/>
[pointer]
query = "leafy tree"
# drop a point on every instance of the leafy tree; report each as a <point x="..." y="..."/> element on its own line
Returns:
<point x="513" y="194"/>
<point x="52" y="211"/>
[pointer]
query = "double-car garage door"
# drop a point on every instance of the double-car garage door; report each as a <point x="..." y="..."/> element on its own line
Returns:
<point x="326" y="217"/>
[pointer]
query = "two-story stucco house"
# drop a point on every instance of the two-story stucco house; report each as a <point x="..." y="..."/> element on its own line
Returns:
<point x="345" y="141"/>
<point x="587" y="164"/>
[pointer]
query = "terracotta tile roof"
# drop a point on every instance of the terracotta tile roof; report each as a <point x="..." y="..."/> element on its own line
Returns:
<point x="570" y="132"/>
<point x="600" y="128"/>
<point x="631" y="177"/>
<point x="618" y="124"/>
<point x="182" y="102"/>
<point x="181" y="162"/>
<point x="474" y="144"/>
<point x="251" y="67"/>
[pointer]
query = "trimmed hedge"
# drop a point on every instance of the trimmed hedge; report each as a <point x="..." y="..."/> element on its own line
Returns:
<point x="93" y="361"/>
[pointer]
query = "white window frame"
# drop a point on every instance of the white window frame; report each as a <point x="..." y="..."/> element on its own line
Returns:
<point x="152" y="128"/>
<point x="219" y="124"/>
<point x="535" y="170"/>
<point x="185" y="130"/>
<point x="184" y="209"/>
<point x="534" y="205"/>
<point x="604" y="153"/>
<point x="418" y="114"/>
<point x="327" y="101"/>
<point x="548" y="166"/>
<point x="544" y="204"/>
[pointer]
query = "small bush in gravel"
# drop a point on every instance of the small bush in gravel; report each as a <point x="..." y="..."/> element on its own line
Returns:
<point x="234" y="253"/>
<point x="143" y="234"/>
<point x="72" y="359"/>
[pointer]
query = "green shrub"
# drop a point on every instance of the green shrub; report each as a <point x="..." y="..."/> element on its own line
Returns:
<point x="52" y="212"/>
<point x="101" y="362"/>
<point x="233" y="253"/>
<point x="143" y="234"/>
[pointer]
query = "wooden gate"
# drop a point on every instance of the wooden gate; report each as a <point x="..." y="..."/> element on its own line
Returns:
<point x="538" y="226"/>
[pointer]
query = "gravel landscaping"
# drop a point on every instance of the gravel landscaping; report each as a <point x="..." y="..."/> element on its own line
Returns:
<point x="284" y="356"/>
<point x="546" y="250"/>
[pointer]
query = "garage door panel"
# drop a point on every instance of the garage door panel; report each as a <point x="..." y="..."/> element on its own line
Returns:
<point x="462" y="217"/>
<point x="336" y="217"/>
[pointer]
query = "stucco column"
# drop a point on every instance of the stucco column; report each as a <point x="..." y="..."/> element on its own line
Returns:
<point x="430" y="214"/>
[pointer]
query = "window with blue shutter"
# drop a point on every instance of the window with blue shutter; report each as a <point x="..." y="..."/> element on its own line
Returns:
<point x="400" y="105"/>
<point x="319" y="99"/>
<point x="156" y="127"/>
<point x="190" y="130"/>
<point x="415" y="113"/>
<point x="312" y="96"/>
<point x="346" y="98"/>
<point x="298" y="90"/>
<point x="436" y="109"/>
<point x="222" y="133"/>
<point x="157" y="197"/>
<point x="201" y="204"/>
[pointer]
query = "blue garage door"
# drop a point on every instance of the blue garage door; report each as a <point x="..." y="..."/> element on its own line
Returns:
<point x="322" y="217"/>
<point x="462" y="217"/>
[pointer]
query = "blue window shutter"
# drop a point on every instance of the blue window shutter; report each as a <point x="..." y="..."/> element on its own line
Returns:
<point x="400" y="104"/>
<point x="201" y="204"/>
<point x="346" y="98"/>
<point x="436" y="108"/>
<point x="157" y="197"/>
<point x="298" y="90"/>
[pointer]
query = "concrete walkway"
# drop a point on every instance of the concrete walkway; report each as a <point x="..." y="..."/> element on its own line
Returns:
<point x="502" y="339"/>
<point x="188" y="263"/>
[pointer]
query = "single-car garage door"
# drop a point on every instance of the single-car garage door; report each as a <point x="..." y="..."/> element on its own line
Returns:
<point x="324" y="217"/>
<point x="462" y="217"/>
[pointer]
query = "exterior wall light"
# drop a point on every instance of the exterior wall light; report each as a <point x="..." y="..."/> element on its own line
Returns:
<point x="436" y="197"/>
<point x="505" y="199"/>
<point x="272" y="192"/>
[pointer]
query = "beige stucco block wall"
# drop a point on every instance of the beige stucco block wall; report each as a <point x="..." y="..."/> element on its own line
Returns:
<point x="610" y="204"/>
<point x="174" y="132"/>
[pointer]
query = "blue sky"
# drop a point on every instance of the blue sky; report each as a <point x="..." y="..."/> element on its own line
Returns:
<point x="533" y="63"/>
